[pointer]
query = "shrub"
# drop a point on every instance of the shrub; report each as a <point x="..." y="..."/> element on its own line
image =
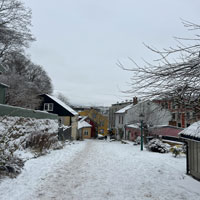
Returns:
<point x="138" y="140"/>
<point x="40" y="142"/>
<point x="156" y="145"/>
<point x="18" y="134"/>
<point x="176" y="151"/>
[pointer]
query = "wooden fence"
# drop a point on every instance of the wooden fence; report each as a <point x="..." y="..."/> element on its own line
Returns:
<point x="193" y="158"/>
<point x="13" y="111"/>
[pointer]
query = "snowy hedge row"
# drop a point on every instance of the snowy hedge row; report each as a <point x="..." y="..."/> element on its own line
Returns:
<point x="23" y="138"/>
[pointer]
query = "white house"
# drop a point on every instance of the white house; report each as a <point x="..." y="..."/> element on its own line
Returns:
<point x="153" y="114"/>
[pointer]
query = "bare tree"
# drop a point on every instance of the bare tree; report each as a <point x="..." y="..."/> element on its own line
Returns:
<point x="15" y="20"/>
<point x="26" y="81"/>
<point x="63" y="98"/>
<point x="175" y="74"/>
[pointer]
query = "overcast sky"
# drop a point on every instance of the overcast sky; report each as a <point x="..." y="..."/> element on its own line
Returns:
<point x="78" y="42"/>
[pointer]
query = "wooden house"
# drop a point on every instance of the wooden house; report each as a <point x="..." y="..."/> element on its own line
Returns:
<point x="84" y="129"/>
<point x="191" y="136"/>
<point x="100" y="121"/>
<point x="67" y="116"/>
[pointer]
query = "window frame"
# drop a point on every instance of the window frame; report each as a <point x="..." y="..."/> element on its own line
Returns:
<point x="49" y="106"/>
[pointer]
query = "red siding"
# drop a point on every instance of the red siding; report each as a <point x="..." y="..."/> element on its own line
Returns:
<point x="166" y="131"/>
<point x="133" y="133"/>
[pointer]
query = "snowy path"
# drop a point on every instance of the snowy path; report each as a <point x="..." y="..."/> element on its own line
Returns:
<point x="102" y="170"/>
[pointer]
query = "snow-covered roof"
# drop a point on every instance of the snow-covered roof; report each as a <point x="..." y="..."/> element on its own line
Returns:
<point x="65" y="106"/>
<point x="193" y="131"/>
<point x="4" y="85"/>
<point x="136" y="125"/>
<point x="166" y="126"/>
<point x="83" y="124"/>
<point x="123" y="110"/>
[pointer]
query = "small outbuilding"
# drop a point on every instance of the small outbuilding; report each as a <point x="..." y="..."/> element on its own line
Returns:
<point x="191" y="136"/>
<point x="84" y="129"/>
<point x="3" y="88"/>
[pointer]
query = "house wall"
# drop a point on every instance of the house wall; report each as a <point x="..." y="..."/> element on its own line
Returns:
<point x="183" y="116"/>
<point x="132" y="133"/>
<point x="166" y="131"/>
<point x="100" y="120"/>
<point x="93" y="128"/>
<point x="120" y="121"/>
<point x="194" y="158"/>
<point x="66" y="120"/>
<point x="114" y="108"/>
<point x="89" y="133"/>
<point x="2" y="94"/>
<point x="74" y="127"/>
<point x="153" y="114"/>
<point x="57" y="109"/>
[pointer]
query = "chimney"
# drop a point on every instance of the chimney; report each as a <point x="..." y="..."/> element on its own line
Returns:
<point x="135" y="100"/>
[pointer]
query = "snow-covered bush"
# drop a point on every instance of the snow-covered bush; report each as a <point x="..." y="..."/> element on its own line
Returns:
<point x="18" y="134"/>
<point x="176" y="151"/>
<point x="138" y="140"/>
<point x="157" y="145"/>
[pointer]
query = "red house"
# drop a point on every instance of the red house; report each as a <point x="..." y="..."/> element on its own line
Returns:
<point x="133" y="131"/>
<point x="93" y="128"/>
<point x="165" y="130"/>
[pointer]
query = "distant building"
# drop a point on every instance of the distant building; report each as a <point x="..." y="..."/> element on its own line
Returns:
<point x="101" y="122"/>
<point x="182" y="115"/>
<point x="153" y="114"/>
<point x="114" y="108"/>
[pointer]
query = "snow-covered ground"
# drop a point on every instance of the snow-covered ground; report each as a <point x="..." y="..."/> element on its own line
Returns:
<point x="102" y="170"/>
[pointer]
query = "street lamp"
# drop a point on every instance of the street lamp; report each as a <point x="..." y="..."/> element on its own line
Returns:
<point x="141" y="117"/>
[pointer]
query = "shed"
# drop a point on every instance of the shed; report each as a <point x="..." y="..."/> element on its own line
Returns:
<point x="191" y="136"/>
<point x="3" y="92"/>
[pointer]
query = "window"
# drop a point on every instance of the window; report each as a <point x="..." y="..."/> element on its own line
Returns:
<point x="48" y="106"/>
<point x="122" y="120"/>
<point x="119" y="119"/>
<point x="179" y="124"/>
<point x="173" y="116"/>
<point x="173" y="105"/>
<point x="188" y="115"/>
<point x="188" y="125"/>
<point x="86" y="132"/>
<point x="179" y="116"/>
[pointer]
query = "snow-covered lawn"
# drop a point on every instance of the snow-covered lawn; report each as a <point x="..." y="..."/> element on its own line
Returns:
<point x="102" y="170"/>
